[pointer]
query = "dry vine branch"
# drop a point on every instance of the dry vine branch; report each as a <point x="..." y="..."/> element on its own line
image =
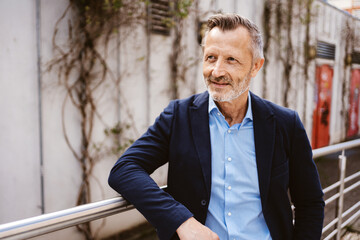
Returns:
<point x="279" y="21"/>
<point x="349" y="37"/>
<point x="181" y="10"/>
<point x="82" y="69"/>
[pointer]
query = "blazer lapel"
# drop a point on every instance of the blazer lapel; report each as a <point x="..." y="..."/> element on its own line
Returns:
<point x="199" y="122"/>
<point x="264" y="134"/>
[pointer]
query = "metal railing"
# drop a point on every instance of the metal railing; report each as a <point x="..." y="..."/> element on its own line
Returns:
<point x="46" y="223"/>
<point x="338" y="222"/>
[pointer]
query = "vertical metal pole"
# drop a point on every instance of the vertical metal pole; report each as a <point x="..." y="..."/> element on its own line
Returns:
<point x="342" y="168"/>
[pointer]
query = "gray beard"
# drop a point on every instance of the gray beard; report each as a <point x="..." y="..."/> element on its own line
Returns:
<point x="233" y="93"/>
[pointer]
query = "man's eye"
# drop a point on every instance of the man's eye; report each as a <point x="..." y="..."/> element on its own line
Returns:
<point x="231" y="59"/>
<point x="210" y="57"/>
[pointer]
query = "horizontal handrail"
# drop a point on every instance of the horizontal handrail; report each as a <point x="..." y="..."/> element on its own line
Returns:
<point x="346" y="190"/>
<point x="51" y="222"/>
<point x="347" y="212"/>
<point x="335" y="148"/>
<point x="337" y="184"/>
<point x="344" y="224"/>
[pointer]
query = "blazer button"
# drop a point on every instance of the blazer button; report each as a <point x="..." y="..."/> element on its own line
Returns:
<point x="203" y="202"/>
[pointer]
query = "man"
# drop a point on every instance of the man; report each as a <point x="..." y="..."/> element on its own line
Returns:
<point x="232" y="155"/>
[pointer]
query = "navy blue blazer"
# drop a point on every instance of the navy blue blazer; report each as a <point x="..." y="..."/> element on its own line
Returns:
<point x="180" y="136"/>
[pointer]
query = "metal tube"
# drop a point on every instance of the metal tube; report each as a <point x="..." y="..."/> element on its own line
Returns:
<point x="331" y="187"/>
<point x="356" y="205"/>
<point x="51" y="222"/>
<point x="346" y="190"/>
<point x="335" y="185"/>
<point x="333" y="222"/>
<point x="332" y="234"/>
<point x="335" y="148"/>
<point x="355" y="185"/>
<point x="342" y="167"/>
<point x="352" y="218"/>
<point x="332" y="198"/>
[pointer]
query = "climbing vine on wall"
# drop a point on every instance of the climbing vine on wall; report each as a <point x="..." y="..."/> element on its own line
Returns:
<point x="82" y="70"/>
<point x="178" y="65"/>
<point x="82" y="67"/>
<point x="267" y="39"/>
<point x="349" y="39"/>
<point x="279" y="19"/>
<point x="278" y="31"/>
<point x="309" y="52"/>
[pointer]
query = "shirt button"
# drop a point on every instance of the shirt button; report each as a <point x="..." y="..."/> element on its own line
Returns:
<point x="229" y="187"/>
<point x="229" y="214"/>
<point x="218" y="114"/>
<point x="229" y="131"/>
<point x="229" y="159"/>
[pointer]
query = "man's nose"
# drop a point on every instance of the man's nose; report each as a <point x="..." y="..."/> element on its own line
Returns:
<point x="218" y="70"/>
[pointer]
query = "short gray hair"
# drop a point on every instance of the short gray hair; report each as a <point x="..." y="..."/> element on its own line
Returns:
<point x="230" y="21"/>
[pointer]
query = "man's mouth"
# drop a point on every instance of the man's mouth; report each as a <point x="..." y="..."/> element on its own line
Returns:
<point x="219" y="84"/>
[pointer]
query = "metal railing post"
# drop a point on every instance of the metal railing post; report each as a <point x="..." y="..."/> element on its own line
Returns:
<point x="342" y="168"/>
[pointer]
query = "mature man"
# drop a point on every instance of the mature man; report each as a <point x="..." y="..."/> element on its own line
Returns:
<point x="232" y="155"/>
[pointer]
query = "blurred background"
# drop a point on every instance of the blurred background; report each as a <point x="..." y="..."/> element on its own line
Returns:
<point x="80" y="80"/>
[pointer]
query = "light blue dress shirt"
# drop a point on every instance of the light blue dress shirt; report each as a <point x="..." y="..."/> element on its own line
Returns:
<point x="235" y="210"/>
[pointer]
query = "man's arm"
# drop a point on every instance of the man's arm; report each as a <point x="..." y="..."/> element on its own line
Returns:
<point x="305" y="188"/>
<point x="130" y="177"/>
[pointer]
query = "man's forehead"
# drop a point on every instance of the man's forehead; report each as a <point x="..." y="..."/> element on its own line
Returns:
<point x="238" y="30"/>
<point x="239" y="35"/>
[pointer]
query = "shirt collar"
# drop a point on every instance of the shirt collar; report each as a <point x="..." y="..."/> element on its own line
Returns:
<point x="248" y="114"/>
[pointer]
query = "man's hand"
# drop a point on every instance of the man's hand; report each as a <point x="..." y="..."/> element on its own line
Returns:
<point x="191" y="229"/>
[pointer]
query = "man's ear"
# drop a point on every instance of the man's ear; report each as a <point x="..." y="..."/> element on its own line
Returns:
<point x="257" y="66"/>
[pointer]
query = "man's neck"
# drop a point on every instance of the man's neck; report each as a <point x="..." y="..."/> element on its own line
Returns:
<point x="234" y="111"/>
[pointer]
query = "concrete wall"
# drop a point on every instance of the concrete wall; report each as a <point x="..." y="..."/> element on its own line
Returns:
<point x="20" y="148"/>
<point x="38" y="172"/>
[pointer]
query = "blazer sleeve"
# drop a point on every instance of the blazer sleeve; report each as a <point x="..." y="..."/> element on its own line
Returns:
<point x="130" y="177"/>
<point x="305" y="189"/>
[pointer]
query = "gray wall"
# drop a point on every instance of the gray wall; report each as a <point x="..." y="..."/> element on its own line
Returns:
<point x="38" y="172"/>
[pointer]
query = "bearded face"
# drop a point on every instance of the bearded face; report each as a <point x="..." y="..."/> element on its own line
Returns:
<point x="228" y="63"/>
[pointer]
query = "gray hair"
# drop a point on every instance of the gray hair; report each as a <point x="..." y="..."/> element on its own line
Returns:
<point x="232" y="21"/>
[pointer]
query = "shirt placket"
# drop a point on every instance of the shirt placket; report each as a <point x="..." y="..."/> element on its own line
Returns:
<point x="230" y="134"/>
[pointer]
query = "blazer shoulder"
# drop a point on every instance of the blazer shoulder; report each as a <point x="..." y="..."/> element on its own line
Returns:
<point x="282" y="114"/>
<point x="195" y="100"/>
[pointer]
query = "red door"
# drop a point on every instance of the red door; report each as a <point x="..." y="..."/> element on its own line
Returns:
<point x="321" y="115"/>
<point x="353" y="126"/>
